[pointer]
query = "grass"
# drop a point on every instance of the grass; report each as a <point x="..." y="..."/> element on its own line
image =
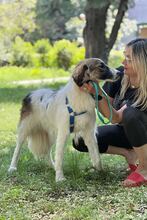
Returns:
<point x="14" y="73"/>
<point x="31" y="193"/>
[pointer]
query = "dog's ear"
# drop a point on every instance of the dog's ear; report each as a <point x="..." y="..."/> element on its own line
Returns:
<point x="79" y="72"/>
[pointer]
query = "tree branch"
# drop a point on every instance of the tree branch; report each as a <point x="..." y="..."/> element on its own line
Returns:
<point x="123" y="7"/>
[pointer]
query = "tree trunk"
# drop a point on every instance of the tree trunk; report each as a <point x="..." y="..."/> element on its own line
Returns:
<point x="94" y="31"/>
<point x="96" y="43"/>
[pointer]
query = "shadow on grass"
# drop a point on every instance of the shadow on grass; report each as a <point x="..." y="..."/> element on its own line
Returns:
<point x="16" y="94"/>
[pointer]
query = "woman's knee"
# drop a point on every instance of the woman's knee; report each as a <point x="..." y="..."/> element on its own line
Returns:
<point x="80" y="145"/>
<point x="134" y="123"/>
<point x="130" y="115"/>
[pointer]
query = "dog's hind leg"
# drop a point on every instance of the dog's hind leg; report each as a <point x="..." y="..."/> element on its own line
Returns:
<point x="21" y="137"/>
<point x="90" y="141"/>
<point x="14" y="161"/>
<point x="61" y="140"/>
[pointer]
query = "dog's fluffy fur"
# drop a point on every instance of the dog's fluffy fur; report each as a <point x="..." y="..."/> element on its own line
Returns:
<point x="44" y="119"/>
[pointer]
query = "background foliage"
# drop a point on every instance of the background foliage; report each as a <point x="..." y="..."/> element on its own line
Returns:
<point x="24" y="22"/>
<point x="62" y="54"/>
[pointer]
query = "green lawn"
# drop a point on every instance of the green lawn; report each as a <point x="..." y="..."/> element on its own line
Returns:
<point x="31" y="193"/>
<point x="13" y="73"/>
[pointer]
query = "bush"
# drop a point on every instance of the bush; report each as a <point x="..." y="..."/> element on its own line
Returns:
<point x="42" y="48"/>
<point x="115" y="58"/>
<point x="64" y="59"/>
<point x="63" y="54"/>
<point x="22" y="53"/>
<point x="68" y="53"/>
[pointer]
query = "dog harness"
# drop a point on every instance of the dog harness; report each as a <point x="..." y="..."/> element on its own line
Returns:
<point x="72" y="115"/>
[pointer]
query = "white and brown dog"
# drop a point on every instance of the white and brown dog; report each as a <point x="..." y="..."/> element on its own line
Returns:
<point x="48" y="117"/>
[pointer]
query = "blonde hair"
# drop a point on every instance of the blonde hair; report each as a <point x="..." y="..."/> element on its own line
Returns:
<point x="139" y="63"/>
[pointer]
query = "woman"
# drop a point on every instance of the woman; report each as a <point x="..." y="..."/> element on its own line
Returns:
<point x="127" y="136"/>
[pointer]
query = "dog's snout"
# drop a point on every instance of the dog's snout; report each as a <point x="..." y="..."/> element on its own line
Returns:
<point x="109" y="74"/>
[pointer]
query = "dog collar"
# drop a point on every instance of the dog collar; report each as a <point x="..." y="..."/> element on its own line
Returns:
<point x="72" y="115"/>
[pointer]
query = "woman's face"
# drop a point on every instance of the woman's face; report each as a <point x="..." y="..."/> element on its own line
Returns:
<point x="127" y="63"/>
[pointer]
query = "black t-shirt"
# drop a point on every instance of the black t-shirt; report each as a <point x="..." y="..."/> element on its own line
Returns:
<point x="113" y="90"/>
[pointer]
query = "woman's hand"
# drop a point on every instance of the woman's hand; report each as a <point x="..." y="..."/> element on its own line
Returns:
<point x="88" y="87"/>
<point x="120" y="112"/>
<point x="103" y="104"/>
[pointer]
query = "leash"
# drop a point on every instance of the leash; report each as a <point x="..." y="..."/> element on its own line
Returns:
<point x="95" y="85"/>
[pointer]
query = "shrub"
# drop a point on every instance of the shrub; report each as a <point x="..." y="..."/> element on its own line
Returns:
<point x="22" y="53"/>
<point x="115" y="58"/>
<point x="78" y="55"/>
<point x="68" y="53"/>
<point x="64" y="59"/>
<point x="42" y="48"/>
<point x="63" y="54"/>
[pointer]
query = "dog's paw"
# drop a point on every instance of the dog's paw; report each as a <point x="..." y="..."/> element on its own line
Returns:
<point x="60" y="177"/>
<point x="12" y="169"/>
<point x="98" y="167"/>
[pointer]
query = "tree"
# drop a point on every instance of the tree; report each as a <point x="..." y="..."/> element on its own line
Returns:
<point x="97" y="44"/>
<point x="58" y="19"/>
<point x="51" y="17"/>
<point x="54" y="15"/>
<point x="17" y="18"/>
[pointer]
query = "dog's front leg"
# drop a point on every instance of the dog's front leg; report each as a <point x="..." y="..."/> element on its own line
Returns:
<point x="61" y="140"/>
<point x="90" y="141"/>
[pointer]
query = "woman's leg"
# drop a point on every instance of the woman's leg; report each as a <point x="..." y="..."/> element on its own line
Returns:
<point x="135" y="125"/>
<point x="111" y="140"/>
<point x="141" y="153"/>
<point x="142" y="156"/>
<point x="129" y="154"/>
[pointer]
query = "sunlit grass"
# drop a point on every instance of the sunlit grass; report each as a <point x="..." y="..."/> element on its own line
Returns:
<point x="13" y="73"/>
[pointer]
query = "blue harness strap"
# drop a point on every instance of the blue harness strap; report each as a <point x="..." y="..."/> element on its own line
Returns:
<point x="72" y="115"/>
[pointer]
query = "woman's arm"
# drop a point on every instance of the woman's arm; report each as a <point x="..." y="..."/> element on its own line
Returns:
<point x="116" y="114"/>
<point x="103" y="105"/>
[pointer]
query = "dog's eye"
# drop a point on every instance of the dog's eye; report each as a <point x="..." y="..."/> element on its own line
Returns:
<point x="102" y="65"/>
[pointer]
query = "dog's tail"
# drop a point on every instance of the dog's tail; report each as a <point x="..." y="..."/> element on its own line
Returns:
<point x="39" y="144"/>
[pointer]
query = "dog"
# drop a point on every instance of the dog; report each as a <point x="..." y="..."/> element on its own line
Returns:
<point x="49" y="116"/>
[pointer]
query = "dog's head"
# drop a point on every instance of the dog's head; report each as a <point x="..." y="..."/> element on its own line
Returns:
<point x="93" y="69"/>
